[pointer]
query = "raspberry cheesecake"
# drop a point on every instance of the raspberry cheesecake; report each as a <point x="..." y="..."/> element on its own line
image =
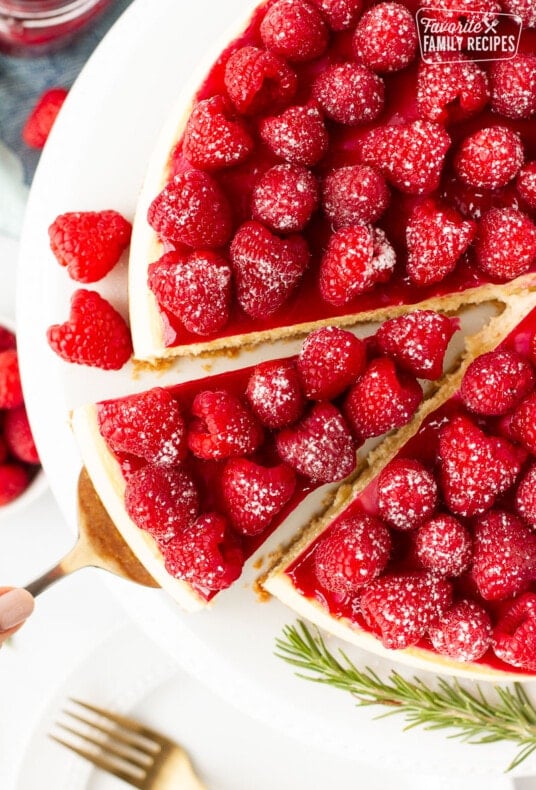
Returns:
<point x="324" y="174"/>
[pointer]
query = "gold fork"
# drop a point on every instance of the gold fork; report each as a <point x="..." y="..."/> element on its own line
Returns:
<point x="130" y="751"/>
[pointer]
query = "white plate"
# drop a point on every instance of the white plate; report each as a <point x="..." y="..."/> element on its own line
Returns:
<point x="96" y="158"/>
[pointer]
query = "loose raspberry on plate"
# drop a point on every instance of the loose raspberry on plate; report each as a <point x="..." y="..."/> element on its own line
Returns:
<point x="10" y="383"/>
<point x="319" y="446"/>
<point x="14" y="480"/>
<point x="41" y="119"/>
<point x="193" y="210"/>
<point x="353" y="553"/>
<point x="504" y="555"/>
<point x="266" y="268"/>
<point x="382" y="399"/>
<point x="329" y="361"/>
<point x="349" y="93"/>
<point x="257" y="80"/>
<point x="523" y="423"/>
<point x="407" y="494"/>
<point x="149" y="425"/>
<point x="443" y="545"/>
<point x="213" y="137"/>
<point x="298" y="135"/>
<point x="506" y="243"/>
<point x="385" y="38"/>
<point x="354" y="194"/>
<point x="496" y="382"/>
<point x="18" y="436"/>
<point x="463" y="632"/>
<point x="448" y="90"/>
<point x="274" y="393"/>
<point x="490" y="157"/>
<point x="417" y="341"/>
<point x="196" y="289"/>
<point x="285" y="197"/>
<point x="89" y="243"/>
<point x="222" y="426"/>
<point x="526" y="496"/>
<point x="526" y="184"/>
<point x="295" y="30"/>
<point x="513" y="86"/>
<point x="255" y="494"/>
<point x="514" y="636"/>
<point x="340" y="14"/>
<point x="95" y="333"/>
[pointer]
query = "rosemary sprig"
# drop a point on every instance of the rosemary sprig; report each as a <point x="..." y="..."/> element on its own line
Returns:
<point x="471" y="716"/>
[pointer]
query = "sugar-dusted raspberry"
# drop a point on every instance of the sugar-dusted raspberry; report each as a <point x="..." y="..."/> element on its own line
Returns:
<point x="444" y="545"/>
<point x="352" y="553"/>
<point x="7" y="339"/>
<point x="474" y="468"/>
<point x="356" y="259"/>
<point x="193" y="210"/>
<point x="319" y="446"/>
<point x="382" y="399"/>
<point x="257" y="80"/>
<point x="274" y="393"/>
<point x="385" y="38"/>
<point x="14" y="479"/>
<point x="213" y="137"/>
<point x="526" y="184"/>
<point x="10" y="383"/>
<point x="407" y="493"/>
<point x="89" y="243"/>
<point x="504" y="555"/>
<point x="162" y="500"/>
<point x="490" y="157"/>
<point x="207" y="555"/>
<point x="285" y="197"/>
<point x="506" y="243"/>
<point x="95" y="333"/>
<point x="295" y="30"/>
<point x="417" y="341"/>
<point x="526" y="496"/>
<point x="149" y="424"/>
<point x="298" y="135"/>
<point x="39" y="123"/>
<point x="349" y="93"/>
<point x="523" y="423"/>
<point x="463" y="632"/>
<point x="514" y="635"/>
<point x="513" y="86"/>
<point x="18" y="436"/>
<point x="222" y="426"/>
<point x="340" y="14"/>
<point x="400" y="608"/>
<point x="354" y="194"/>
<point x="196" y="289"/>
<point x="523" y="8"/>
<point x="329" y="361"/>
<point x="494" y="383"/>
<point x="410" y="155"/>
<point x="255" y="494"/>
<point x="448" y="90"/>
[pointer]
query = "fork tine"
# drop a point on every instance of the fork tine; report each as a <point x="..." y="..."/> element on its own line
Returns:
<point x="128" y="724"/>
<point x="128" y="755"/>
<point x="134" y="741"/>
<point x="101" y="761"/>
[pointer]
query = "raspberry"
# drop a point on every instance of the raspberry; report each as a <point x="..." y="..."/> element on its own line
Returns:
<point x="95" y="334"/>
<point x="41" y="119"/>
<point x="401" y="607"/>
<point x="255" y="494"/>
<point x="448" y="90"/>
<point x="207" y="555"/>
<point x="329" y="361"/>
<point x="7" y="339"/>
<point x="504" y="555"/>
<point x="356" y="259"/>
<point x="526" y="496"/>
<point x="149" y="425"/>
<point x="514" y="636"/>
<point x="417" y="341"/>
<point x="285" y="197"/>
<point x="474" y="468"/>
<point x="4" y="450"/>
<point x="489" y="158"/>
<point x="274" y="393"/>
<point x="193" y="210"/>
<point x="523" y="423"/>
<point x="10" y="383"/>
<point x="18" y="435"/>
<point x="257" y="80"/>
<point x="407" y="494"/>
<point x="506" y="243"/>
<point x="382" y="399"/>
<point x="298" y="135"/>
<point x="89" y="243"/>
<point x="513" y="86"/>
<point x="354" y="194"/>
<point x="444" y="546"/>
<point x="349" y="93"/>
<point x="266" y="268"/>
<point x="353" y="553"/>
<point x="526" y="184"/>
<point x="496" y="382"/>
<point x="14" y="480"/>
<point x="213" y="138"/>
<point x="295" y="30"/>
<point x="196" y="289"/>
<point x="222" y="427"/>
<point x="385" y="38"/>
<point x="319" y="446"/>
<point x="410" y="155"/>
<point x="463" y="632"/>
<point x="523" y="8"/>
<point x="162" y="500"/>
<point x="436" y="238"/>
<point x="340" y="14"/>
